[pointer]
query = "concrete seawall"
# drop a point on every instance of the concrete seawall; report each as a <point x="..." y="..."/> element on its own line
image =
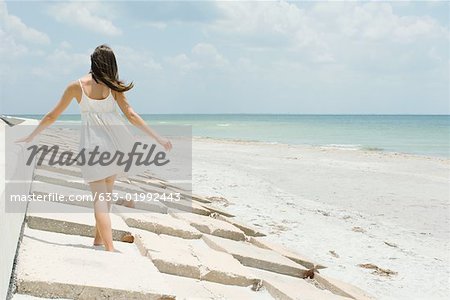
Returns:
<point x="11" y="223"/>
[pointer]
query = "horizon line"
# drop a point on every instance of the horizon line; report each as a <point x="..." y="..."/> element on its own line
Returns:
<point x="273" y="114"/>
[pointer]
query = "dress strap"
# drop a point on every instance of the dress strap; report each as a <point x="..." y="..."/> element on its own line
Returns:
<point x="81" y="86"/>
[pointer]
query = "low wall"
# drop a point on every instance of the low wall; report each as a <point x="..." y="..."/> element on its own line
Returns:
<point x="11" y="223"/>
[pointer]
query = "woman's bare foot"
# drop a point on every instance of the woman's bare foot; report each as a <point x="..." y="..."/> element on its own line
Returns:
<point x="111" y="249"/>
<point x="98" y="241"/>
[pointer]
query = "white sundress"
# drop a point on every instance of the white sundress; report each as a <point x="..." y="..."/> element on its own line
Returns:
<point x="103" y="126"/>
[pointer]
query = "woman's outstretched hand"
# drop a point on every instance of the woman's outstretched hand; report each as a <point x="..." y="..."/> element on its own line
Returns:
<point x="165" y="143"/>
<point x="26" y="139"/>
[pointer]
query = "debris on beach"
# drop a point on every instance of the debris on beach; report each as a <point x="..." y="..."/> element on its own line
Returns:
<point x="310" y="273"/>
<point x="257" y="285"/>
<point x="324" y="213"/>
<point x="214" y="215"/>
<point x="378" y="270"/>
<point x="128" y="238"/>
<point x="358" y="229"/>
<point x="391" y="244"/>
<point x="219" y="200"/>
<point x="277" y="228"/>
<point x="333" y="253"/>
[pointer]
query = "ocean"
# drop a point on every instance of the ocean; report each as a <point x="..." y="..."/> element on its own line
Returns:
<point x="414" y="134"/>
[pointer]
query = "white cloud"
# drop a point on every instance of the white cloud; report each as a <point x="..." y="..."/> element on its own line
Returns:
<point x="65" y="45"/>
<point x="14" y="26"/>
<point x="377" y="21"/>
<point x="93" y="16"/>
<point x="15" y="35"/>
<point x="207" y="54"/>
<point x="372" y="20"/>
<point x="9" y="47"/>
<point x="157" y="25"/>
<point x="135" y="59"/>
<point x="64" y="62"/>
<point x="183" y="63"/>
<point x="323" y="32"/>
<point x="60" y="62"/>
<point x="265" y="23"/>
<point x="203" y="55"/>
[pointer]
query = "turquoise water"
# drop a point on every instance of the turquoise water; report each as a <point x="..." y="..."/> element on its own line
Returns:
<point x="416" y="134"/>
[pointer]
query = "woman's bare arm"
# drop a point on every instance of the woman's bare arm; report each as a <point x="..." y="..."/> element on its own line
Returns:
<point x="70" y="92"/>
<point x="137" y="121"/>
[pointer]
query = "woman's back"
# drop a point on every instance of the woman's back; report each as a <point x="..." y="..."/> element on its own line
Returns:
<point x="95" y="105"/>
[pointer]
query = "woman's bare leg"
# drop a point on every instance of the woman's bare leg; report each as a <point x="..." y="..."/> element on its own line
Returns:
<point x="110" y="185"/>
<point x="101" y="212"/>
<point x="97" y="239"/>
<point x="109" y="188"/>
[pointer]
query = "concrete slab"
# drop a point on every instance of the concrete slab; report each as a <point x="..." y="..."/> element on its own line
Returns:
<point x="342" y="288"/>
<point x="187" y="206"/>
<point x="188" y="288"/>
<point x="248" y="230"/>
<point x="152" y="188"/>
<point x="298" y="258"/>
<point x="292" y="288"/>
<point x="200" y="198"/>
<point x="70" y="219"/>
<point x="181" y="287"/>
<point x="60" y="179"/>
<point x="78" y="183"/>
<point x="45" y="188"/>
<point x="142" y="178"/>
<point x="167" y="258"/>
<point x="156" y="222"/>
<point x="70" y="240"/>
<point x="70" y="195"/>
<point x="67" y="170"/>
<point x="28" y="297"/>
<point x="211" y="225"/>
<point x="79" y="273"/>
<point x="149" y="179"/>
<point x="189" y="195"/>
<point x="147" y="205"/>
<point x="215" y="209"/>
<point x="253" y="256"/>
<point x="191" y="258"/>
<point x="128" y="188"/>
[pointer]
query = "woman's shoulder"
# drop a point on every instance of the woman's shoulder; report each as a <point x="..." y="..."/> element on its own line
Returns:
<point x="73" y="85"/>
<point x="73" y="89"/>
<point x="85" y="79"/>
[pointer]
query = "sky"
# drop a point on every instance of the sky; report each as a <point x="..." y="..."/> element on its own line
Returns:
<point x="233" y="57"/>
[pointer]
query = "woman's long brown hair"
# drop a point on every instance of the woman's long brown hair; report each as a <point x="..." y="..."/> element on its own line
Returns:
<point x="104" y="69"/>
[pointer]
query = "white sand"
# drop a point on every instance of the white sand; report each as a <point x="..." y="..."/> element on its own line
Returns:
<point x="317" y="200"/>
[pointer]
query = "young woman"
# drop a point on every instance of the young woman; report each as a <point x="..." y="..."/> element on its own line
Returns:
<point x="97" y="93"/>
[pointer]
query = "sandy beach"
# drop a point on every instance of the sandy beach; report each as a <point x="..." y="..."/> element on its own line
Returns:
<point x="342" y="208"/>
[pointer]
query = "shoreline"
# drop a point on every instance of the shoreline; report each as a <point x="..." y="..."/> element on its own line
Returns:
<point x="319" y="147"/>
